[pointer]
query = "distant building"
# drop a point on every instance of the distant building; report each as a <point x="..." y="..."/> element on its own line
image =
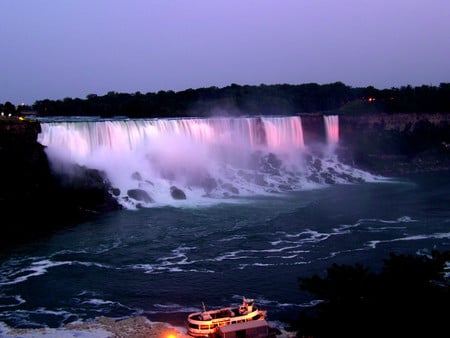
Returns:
<point x="29" y="113"/>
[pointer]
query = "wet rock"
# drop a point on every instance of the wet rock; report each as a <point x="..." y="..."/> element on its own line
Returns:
<point x="209" y="184"/>
<point x="115" y="192"/>
<point x="284" y="187"/>
<point x="140" y="195"/>
<point x="230" y="188"/>
<point x="259" y="180"/>
<point x="270" y="164"/>
<point x="136" y="176"/>
<point x="245" y="175"/>
<point x="314" y="178"/>
<point x="317" y="164"/>
<point x="328" y="178"/>
<point x="177" y="193"/>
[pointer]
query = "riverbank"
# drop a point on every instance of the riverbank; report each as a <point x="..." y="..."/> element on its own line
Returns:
<point x="104" y="327"/>
<point x="34" y="200"/>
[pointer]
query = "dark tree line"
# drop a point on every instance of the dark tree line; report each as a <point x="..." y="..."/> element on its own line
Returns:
<point x="232" y="100"/>
<point x="280" y="99"/>
<point x="408" y="298"/>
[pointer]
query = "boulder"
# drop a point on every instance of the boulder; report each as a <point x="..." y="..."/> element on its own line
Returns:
<point x="177" y="193"/>
<point x="140" y="195"/>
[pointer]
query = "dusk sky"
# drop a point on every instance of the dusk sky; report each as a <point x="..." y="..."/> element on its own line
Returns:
<point x="71" y="48"/>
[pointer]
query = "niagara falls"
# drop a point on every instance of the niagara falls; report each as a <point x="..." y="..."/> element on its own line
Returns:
<point x="213" y="209"/>
<point x="224" y="169"/>
<point x="205" y="159"/>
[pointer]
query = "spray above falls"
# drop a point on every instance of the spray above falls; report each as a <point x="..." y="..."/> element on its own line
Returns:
<point x="170" y="161"/>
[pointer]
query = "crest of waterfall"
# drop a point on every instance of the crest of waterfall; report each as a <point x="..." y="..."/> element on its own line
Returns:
<point x="170" y="161"/>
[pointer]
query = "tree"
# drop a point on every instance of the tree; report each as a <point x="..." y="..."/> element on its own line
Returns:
<point x="408" y="298"/>
<point x="9" y="108"/>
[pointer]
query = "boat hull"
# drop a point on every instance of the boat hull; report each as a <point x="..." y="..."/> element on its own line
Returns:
<point x="205" y="323"/>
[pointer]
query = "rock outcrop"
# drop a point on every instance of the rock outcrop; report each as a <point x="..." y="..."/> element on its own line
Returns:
<point x="177" y="193"/>
<point x="140" y="195"/>
<point x="396" y="143"/>
<point x="33" y="199"/>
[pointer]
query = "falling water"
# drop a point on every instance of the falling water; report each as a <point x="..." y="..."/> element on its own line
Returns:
<point x="205" y="158"/>
<point x="332" y="129"/>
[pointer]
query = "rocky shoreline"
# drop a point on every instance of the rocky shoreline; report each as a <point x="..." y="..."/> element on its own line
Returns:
<point x="34" y="200"/>
<point x="103" y="327"/>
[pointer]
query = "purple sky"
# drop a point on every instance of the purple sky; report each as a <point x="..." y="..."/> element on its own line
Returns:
<point x="71" y="48"/>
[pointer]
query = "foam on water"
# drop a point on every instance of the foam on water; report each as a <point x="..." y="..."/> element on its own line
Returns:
<point x="163" y="262"/>
<point x="36" y="268"/>
<point x="208" y="159"/>
<point x="7" y="301"/>
<point x="443" y="235"/>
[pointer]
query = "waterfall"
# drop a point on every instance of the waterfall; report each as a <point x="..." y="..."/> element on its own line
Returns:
<point x="282" y="132"/>
<point x="147" y="160"/>
<point x="332" y="129"/>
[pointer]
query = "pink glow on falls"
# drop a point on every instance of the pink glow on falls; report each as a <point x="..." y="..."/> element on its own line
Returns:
<point x="332" y="129"/>
<point x="284" y="132"/>
<point x="206" y="157"/>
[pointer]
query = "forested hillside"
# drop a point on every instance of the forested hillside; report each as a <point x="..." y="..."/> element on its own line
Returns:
<point x="280" y="99"/>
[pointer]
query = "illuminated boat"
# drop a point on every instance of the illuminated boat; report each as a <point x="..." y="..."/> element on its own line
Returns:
<point x="206" y="323"/>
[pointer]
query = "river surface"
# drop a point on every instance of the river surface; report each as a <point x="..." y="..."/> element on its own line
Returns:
<point x="163" y="262"/>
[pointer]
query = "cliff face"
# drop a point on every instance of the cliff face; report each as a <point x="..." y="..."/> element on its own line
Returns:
<point x="388" y="144"/>
<point x="396" y="143"/>
<point x="350" y="124"/>
<point x="34" y="200"/>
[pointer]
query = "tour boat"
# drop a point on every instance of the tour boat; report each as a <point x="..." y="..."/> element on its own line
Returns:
<point x="206" y="323"/>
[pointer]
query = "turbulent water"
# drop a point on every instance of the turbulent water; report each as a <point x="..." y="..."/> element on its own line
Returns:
<point x="204" y="159"/>
<point x="165" y="260"/>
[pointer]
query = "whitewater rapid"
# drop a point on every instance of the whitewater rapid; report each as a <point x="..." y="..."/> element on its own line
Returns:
<point x="153" y="162"/>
